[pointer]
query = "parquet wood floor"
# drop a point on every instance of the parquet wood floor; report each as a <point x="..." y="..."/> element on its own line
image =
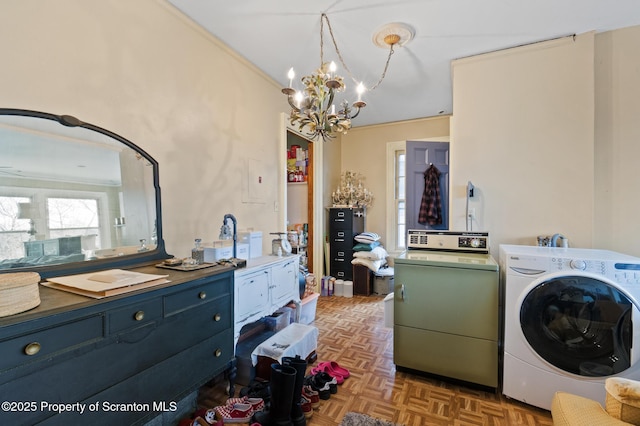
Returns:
<point x="352" y="333"/>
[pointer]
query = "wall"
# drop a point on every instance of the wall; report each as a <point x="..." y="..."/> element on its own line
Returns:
<point x="617" y="136"/>
<point x="523" y="133"/>
<point x="364" y="151"/>
<point x="142" y="70"/>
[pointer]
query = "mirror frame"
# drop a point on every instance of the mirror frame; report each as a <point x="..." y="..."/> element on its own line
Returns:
<point x="158" y="253"/>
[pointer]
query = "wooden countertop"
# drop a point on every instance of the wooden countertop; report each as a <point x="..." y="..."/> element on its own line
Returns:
<point x="54" y="301"/>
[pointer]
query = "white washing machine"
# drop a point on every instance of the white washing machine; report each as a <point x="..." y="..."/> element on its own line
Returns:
<point x="571" y="320"/>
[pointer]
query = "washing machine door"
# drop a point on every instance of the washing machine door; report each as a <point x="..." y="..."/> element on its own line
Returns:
<point x="579" y="324"/>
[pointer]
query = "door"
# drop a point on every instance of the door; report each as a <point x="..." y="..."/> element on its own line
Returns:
<point x="579" y="324"/>
<point x="420" y="155"/>
<point x="300" y="205"/>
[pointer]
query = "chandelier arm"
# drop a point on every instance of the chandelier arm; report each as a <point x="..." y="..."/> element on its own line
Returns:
<point x="357" y="112"/>
<point x="294" y="106"/>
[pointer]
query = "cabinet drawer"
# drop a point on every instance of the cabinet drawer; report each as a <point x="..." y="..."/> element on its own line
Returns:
<point x="341" y="271"/>
<point x="135" y="315"/>
<point x="46" y="343"/>
<point x="340" y="218"/>
<point x="341" y="236"/>
<point x="195" y="296"/>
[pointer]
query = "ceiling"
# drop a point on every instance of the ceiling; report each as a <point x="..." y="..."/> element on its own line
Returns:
<point x="276" y="35"/>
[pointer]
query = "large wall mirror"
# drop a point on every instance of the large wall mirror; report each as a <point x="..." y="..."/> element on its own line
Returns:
<point x="74" y="197"/>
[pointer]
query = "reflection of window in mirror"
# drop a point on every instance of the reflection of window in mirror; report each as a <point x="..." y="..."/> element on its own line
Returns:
<point x="14" y="230"/>
<point x="70" y="217"/>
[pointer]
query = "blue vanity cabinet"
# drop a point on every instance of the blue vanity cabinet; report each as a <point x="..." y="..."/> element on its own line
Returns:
<point x="122" y="359"/>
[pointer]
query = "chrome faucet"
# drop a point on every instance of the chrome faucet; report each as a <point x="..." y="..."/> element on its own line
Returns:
<point x="554" y="240"/>
<point x="225" y="231"/>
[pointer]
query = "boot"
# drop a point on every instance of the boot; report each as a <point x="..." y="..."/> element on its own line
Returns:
<point x="297" y="414"/>
<point x="283" y="379"/>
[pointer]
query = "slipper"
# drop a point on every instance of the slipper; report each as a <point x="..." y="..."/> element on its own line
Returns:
<point x="333" y="367"/>
<point x="324" y="367"/>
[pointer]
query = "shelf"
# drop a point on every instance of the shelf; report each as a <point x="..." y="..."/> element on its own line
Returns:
<point x="297" y="183"/>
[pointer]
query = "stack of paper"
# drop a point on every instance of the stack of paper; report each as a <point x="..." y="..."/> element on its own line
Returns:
<point x="105" y="283"/>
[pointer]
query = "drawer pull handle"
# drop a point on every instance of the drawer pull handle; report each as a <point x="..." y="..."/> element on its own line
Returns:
<point x="139" y="316"/>
<point x="32" y="348"/>
<point x="217" y="317"/>
<point x="218" y="352"/>
<point x="202" y="295"/>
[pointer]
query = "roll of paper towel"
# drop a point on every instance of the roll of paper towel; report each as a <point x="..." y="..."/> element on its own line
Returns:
<point x="338" y="289"/>
<point x="347" y="290"/>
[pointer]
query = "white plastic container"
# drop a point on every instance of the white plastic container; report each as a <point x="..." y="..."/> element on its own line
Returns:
<point x="338" y="289"/>
<point x="347" y="290"/>
<point x="308" y="308"/>
<point x="254" y="240"/>
<point x="388" y="310"/>
<point x="219" y="251"/>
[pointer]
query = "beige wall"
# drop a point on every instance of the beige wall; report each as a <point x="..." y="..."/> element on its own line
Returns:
<point x="617" y="135"/>
<point x="364" y="151"/>
<point x="523" y="134"/>
<point x="140" y="69"/>
<point x="523" y="130"/>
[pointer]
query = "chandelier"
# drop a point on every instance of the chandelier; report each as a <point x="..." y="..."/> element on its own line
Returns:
<point x="313" y="109"/>
<point x="351" y="193"/>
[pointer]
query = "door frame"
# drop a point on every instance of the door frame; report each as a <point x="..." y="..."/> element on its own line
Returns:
<point x="316" y="188"/>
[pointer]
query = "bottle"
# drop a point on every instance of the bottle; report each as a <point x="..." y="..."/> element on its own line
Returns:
<point x="197" y="253"/>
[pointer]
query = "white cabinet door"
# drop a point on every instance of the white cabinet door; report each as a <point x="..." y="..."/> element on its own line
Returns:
<point x="252" y="295"/>
<point x="284" y="282"/>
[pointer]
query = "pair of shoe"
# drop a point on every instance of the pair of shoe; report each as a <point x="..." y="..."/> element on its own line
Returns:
<point x="333" y="369"/>
<point x="311" y="395"/>
<point x="258" y="388"/>
<point x="307" y="408"/>
<point x="322" y="383"/>
<point x="237" y="410"/>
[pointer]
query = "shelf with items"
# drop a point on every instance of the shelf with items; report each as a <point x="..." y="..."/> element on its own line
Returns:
<point x="297" y="164"/>
<point x="297" y="235"/>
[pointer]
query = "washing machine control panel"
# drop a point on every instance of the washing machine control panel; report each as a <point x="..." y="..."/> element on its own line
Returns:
<point x="621" y="273"/>
<point x="567" y="264"/>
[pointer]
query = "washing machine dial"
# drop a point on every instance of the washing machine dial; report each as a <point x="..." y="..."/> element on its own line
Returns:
<point x="578" y="264"/>
<point x="475" y="242"/>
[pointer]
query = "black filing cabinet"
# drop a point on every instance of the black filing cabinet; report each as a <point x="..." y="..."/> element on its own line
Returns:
<point x="344" y="224"/>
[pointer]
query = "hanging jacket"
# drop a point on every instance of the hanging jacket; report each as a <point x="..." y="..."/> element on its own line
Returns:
<point x="431" y="204"/>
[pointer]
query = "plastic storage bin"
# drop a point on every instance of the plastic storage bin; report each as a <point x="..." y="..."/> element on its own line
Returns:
<point x="308" y="308"/>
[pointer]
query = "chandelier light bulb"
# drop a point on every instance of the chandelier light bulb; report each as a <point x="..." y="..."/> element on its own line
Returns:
<point x="360" y="90"/>
<point x="291" y="74"/>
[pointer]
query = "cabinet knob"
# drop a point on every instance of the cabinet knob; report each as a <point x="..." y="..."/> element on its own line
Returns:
<point x="202" y="295"/>
<point x="218" y="352"/>
<point x="32" y="348"/>
<point x="139" y="316"/>
<point x="217" y="317"/>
